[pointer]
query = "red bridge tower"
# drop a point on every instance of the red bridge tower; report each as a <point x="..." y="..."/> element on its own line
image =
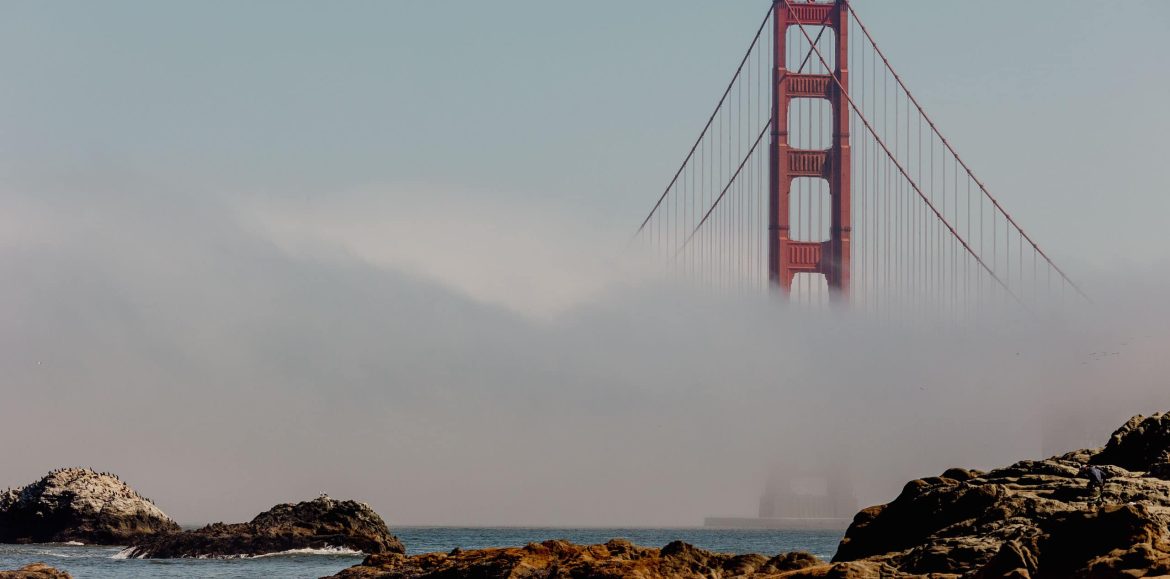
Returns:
<point x="787" y="256"/>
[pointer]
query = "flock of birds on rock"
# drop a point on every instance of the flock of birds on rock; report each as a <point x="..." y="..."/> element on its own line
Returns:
<point x="73" y="474"/>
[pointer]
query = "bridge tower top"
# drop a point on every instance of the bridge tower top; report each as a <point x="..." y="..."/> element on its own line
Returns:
<point x="790" y="252"/>
<point x="857" y="196"/>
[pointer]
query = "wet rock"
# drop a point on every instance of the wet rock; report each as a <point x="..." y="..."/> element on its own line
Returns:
<point x="35" y="571"/>
<point x="79" y="504"/>
<point x="323" y="523"/>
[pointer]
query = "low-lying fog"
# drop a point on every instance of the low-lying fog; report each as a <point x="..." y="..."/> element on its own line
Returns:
<point x="463" y="362"/>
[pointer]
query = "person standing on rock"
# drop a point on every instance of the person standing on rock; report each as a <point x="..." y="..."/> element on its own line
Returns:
<point x="1096" y="478"/>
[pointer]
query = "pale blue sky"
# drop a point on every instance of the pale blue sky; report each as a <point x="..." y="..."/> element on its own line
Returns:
<point x="1058" y="105"/>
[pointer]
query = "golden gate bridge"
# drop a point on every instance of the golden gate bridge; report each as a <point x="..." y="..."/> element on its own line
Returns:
<point x="821" y="176"/>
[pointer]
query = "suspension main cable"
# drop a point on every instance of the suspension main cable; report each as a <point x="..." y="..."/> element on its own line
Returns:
<point x="954" y="153"/>
<point x="710" y="121"/>
<point x="715" y="203"/>
<point x="898" y="164"/>
<point x="730" y="182"/>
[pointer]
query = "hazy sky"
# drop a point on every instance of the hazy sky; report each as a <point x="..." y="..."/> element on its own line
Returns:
<point x="255" y="251"/>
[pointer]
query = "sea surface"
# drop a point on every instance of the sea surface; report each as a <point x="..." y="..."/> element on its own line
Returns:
<point x="86" y="562"/>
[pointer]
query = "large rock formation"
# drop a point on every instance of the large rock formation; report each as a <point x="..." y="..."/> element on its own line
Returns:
<point x="323" y="523"/>
<point x="1142" y="444"/>
<point x="79" y="504"/>
<point x="1032" y="520"/>
<point x="35" y="571"/>
<point x="561" y="560"/>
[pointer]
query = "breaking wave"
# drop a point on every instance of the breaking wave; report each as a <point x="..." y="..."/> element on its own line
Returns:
<point x="132" y="553"/>
<point x="331" y="551"/>
<point x="127" y="553"/>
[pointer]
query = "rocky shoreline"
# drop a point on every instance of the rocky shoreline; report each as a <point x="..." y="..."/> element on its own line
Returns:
<point x="556" y="559"/>
<point x="1095" y="513"/>
<point x="1031" y="520"/>
<point x="35" y="571"/>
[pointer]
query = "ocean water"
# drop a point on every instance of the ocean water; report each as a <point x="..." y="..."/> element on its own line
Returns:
<point x="85" y="562"/>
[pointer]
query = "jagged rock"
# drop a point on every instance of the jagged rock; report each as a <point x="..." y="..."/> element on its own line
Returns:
<point x="561" y="560"/>
<point x="1161" y="468"/>
<point x="35" y="571"/>
<point x="1138" y="445"/>
<point x="1033" y="519"/>
<point x="79" y="504"/>
<point x="322" y="523"/>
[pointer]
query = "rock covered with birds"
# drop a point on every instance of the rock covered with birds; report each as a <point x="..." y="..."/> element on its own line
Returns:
<point x="79" y="504"/>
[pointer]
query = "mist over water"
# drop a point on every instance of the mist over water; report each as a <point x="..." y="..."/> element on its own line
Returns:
<point x="484" y="366"/>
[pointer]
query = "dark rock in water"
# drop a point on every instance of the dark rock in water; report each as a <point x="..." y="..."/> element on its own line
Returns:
<point x="561" y="560"/>
<point x="76" y="504"/>
<point x="35" y="571"/>
<point x="323" y="523"/>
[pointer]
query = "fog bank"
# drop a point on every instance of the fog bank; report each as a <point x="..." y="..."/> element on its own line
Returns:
<point x="456" y="361"/>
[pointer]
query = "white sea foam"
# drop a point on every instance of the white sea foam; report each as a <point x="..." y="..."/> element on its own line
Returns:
<point x="74" y="543"/>
<point x="57" y="554"/>
<point x="131" y="553"/>
<point x="127" y="553"/>
<point x="333" y="551"/>
<point x="329" y="551"/>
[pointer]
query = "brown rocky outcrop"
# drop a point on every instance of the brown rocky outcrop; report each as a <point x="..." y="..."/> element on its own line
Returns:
<point x="35" y="571"/>
<point x="79" y="504"/>
<point x="561" y="560"/>
<point x="1138" y="445"/>
<point x="322" y="523"/>
<point x="1035" y="519"/>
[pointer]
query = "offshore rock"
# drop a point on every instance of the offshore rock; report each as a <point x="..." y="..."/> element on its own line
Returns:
<point x="562" y="560"/>
<point x="35" y="571"/>
<point x="79" y="504"/>
<point x="322" y="523"/>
